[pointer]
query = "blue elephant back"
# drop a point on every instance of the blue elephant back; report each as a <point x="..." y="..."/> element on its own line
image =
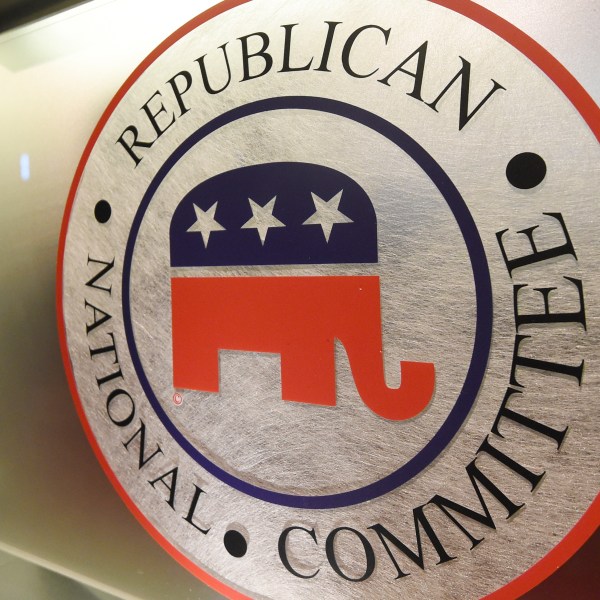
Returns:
<point x="292" y="185"/>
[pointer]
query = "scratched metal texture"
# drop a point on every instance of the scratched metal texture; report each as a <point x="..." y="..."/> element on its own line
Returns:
<point x="428" y="307"/>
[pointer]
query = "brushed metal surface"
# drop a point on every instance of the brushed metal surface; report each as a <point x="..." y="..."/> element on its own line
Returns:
<point x="32" y="364"/>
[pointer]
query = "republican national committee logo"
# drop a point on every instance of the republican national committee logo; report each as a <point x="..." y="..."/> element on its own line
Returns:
<point x="327" y="301"/>
<point x="285" y="214"/>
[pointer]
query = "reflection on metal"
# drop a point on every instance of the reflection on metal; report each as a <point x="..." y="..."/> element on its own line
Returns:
<point x="53" y="489"/>
<point x="24" y="167"/>
<point x="245" y="264"/>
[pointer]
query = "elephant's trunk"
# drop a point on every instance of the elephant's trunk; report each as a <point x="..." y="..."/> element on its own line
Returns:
<point x="362" y="338"/>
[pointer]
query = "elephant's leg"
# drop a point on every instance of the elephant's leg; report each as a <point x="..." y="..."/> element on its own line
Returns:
<point x="197" y="369"/>
<point x="308" y="373"/>
<point x="195" y="349"/>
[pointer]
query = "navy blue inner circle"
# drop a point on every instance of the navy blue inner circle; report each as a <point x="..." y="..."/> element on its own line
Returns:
<point x="483" y="293"/>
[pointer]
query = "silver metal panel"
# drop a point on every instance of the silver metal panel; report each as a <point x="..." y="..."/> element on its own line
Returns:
<point x="33" y="364"/>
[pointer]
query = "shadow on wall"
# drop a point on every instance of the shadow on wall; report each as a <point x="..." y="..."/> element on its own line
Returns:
<point x="14" y="13"/>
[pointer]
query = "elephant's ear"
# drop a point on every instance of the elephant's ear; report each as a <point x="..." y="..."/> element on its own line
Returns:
<point x="286" y="213"/>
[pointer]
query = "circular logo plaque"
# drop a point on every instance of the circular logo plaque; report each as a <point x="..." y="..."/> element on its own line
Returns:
<point x="327" y="300"/>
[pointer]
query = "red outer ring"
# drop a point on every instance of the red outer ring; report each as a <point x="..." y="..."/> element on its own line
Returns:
<point x="581" y="100"/>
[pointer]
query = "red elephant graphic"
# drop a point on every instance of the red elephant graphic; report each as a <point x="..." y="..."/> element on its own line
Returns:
<point x="284" y="214"/>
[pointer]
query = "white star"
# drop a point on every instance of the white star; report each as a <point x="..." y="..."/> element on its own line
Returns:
<point x="262" y="218"/>
<point x="327" y="214"/>
<point x="206" y="223"/>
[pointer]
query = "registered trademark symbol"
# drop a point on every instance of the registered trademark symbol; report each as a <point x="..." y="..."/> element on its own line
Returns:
<point x="177" y="399"/>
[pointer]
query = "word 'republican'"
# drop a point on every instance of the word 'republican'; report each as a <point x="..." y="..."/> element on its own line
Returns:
<point x="371" y="53"/>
